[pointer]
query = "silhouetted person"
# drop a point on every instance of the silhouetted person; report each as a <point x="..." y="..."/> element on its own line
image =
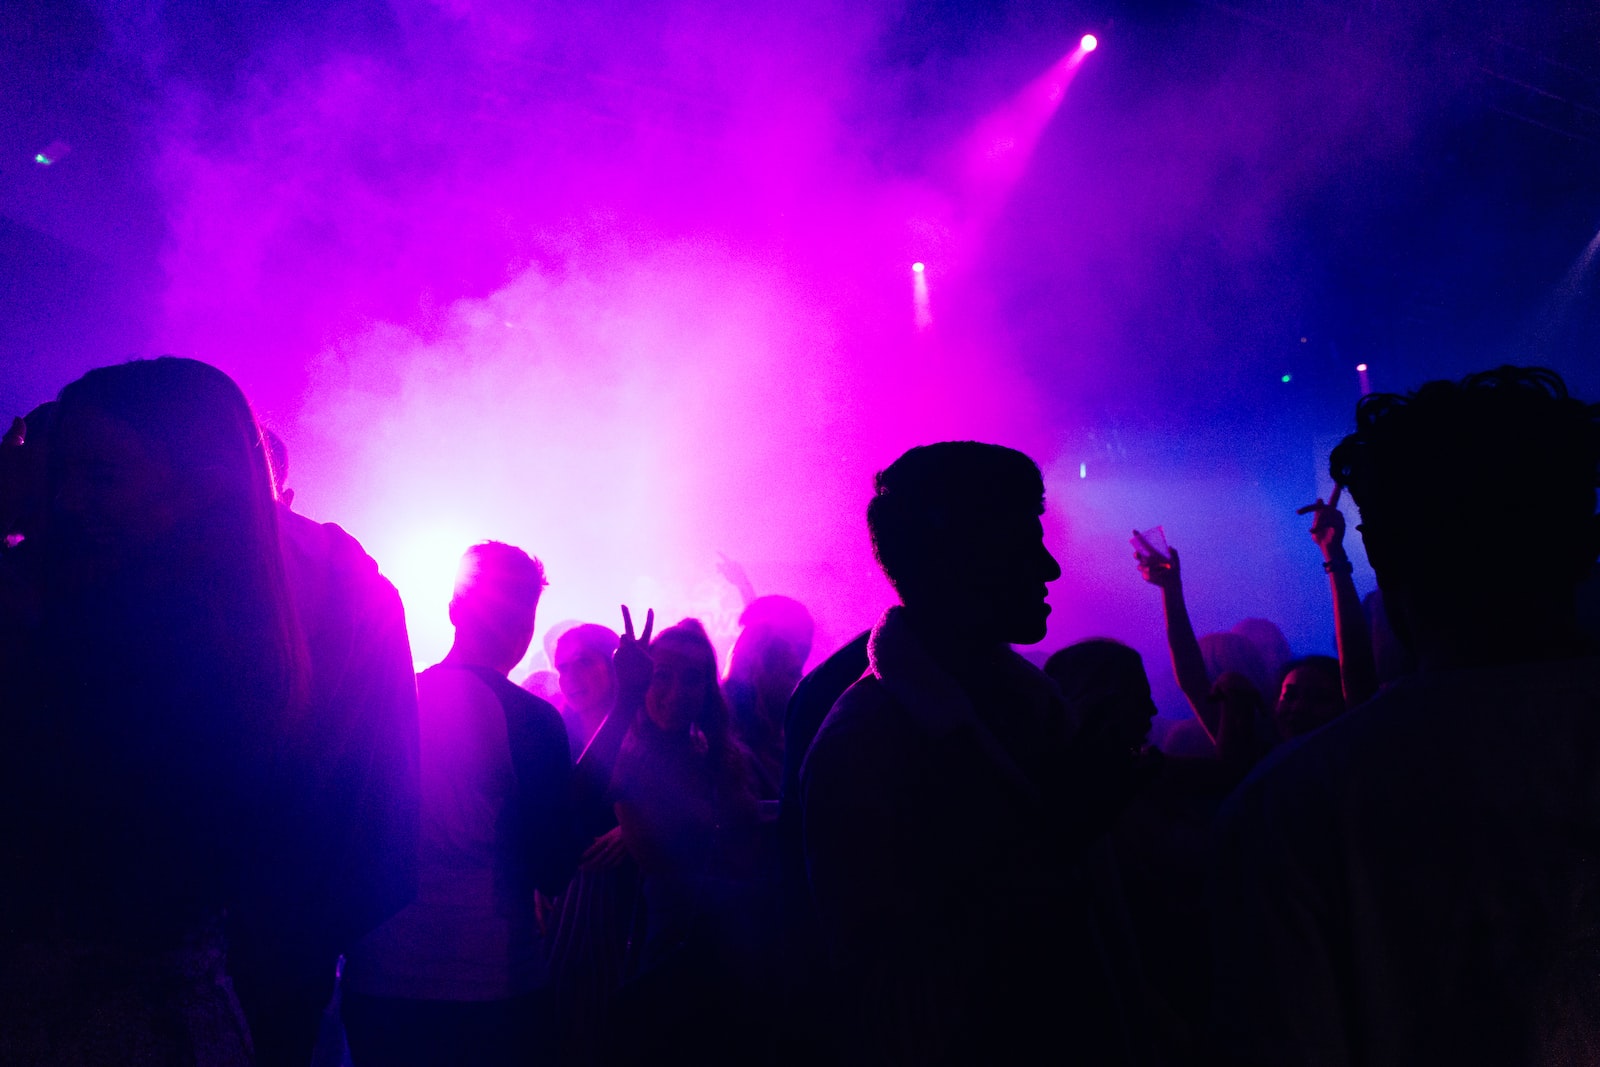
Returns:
<point x="169" y="783"/>
<point x="1310" y="696"/>
<point x="943" y="845"/>
<point x="804" y="988"/>
<point x="345" y="856"/>
<point x="1269" y="641"/>
<point x="1419" y="880"/>
<point x="768" y="658"/>
<point x="458" y="976"/>
<point x="582" y="660"/>
<point x="689" y="819"/>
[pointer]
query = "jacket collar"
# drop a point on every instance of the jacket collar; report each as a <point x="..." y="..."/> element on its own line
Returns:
<point x="938" y="704"/>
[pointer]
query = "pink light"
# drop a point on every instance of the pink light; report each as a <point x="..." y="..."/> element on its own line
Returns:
<point x="918" y="267"/>
<point x="1089" y="43"/>
<point x="1362" y="367"/>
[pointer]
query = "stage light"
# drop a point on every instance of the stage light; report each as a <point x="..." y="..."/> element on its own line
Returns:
<point x="1083" y="470"/>
<point x="1288" y="377"/>
<point x="43" y="160"/>
<point x="1362" y="367"/>
<point x="921" y="308"/>
<point x="1089" y="43"/>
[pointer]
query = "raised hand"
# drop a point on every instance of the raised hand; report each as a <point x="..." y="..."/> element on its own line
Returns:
<point x="1327" y="524"/>
<point x="734" y="572"/>
<point x="632" y="660"/>
<point x="1159" y="570"/>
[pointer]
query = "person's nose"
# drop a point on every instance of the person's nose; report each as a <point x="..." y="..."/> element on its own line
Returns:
<point x="1051" y="568"/>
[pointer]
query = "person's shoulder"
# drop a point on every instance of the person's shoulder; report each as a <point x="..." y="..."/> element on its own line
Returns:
<point x="863" y="710"/>
<point x="326" y="547"/>
<point x="866" y="729"/>
<point x="535" y="708"/>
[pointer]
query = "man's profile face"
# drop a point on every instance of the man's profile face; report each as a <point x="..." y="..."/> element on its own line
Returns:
<point x="1006" y="579"/>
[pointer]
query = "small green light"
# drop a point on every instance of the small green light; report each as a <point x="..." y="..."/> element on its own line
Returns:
<point x="43" y="160"/>
<point x="1288" y="377"/>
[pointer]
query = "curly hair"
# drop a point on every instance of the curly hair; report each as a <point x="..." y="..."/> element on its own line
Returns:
<point x="1508" y="455"/>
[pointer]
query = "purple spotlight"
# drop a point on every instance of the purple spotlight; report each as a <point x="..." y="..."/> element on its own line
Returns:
<point x="918" y="267"/>
<point x="1089" y="43"/>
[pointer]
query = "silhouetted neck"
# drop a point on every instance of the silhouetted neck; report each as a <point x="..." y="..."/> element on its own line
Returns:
<point x="967" y="655"/>
<point x="467" y="653"/>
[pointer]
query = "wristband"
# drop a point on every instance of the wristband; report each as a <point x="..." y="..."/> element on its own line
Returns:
<point x="1338" y="566"/>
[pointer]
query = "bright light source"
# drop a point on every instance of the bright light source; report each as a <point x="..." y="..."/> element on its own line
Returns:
<point x="1089" y="43"/>
<point x="1362" y="367"/>
<point x="43" y="160"/>
<point x="1083" y="470"/>
<point x="1288" y="377"/>
<point x="918" y="267"/>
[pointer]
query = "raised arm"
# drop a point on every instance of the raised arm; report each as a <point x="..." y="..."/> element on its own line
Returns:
<point x="1358" y="671"/>
<point x="1188" y="665"/>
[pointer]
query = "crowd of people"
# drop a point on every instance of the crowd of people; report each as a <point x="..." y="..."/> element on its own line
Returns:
<point x="235" y="828"/>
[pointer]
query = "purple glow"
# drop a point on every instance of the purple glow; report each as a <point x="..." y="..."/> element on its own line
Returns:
<point x="628" y="291"/>
<point x="999" y="148"/>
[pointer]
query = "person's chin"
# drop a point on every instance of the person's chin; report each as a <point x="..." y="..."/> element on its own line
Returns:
<point x="1030" y="630"/>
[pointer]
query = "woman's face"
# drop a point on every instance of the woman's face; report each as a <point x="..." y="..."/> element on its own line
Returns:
<point x="679" y="688"/>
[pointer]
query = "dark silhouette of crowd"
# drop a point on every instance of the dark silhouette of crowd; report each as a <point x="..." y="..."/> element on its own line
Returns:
<point x="236" y="828"/>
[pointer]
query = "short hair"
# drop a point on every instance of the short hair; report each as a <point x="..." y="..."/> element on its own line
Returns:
<point x="935" y="498"/>
<point x="1507" y="454"/>
<point x="591" y="637"/>
<point x="1097" y="666"/>
<point x="500" y="576"/>
<point x="278" y="459"/>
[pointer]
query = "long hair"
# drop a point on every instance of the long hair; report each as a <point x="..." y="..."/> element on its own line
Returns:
<point x="712" y="721"/>
<point x="226" y="560"/>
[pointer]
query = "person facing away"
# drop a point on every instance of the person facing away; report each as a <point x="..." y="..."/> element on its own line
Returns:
<point x="141" y="771"/>
<point x="1419" y="880"/>
<point x="458" y="975"/>
<point x="942" y="839"/>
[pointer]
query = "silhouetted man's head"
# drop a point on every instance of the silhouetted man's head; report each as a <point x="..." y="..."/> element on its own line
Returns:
<point x="496" y="597"/>
<point x="1477" y="502"/>
<point x="956" y="528"/>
